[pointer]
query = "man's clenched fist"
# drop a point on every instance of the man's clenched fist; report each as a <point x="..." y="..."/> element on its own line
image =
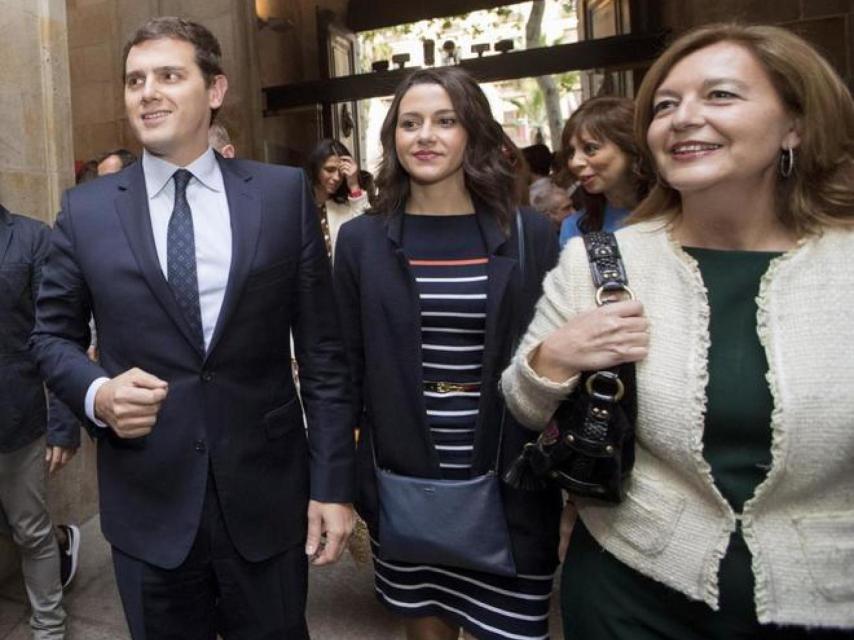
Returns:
<point x="129" y="402"/>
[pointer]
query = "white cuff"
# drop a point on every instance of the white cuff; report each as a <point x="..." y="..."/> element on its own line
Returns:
<point x="89" y="402"/>
<point x="546" y="385"/>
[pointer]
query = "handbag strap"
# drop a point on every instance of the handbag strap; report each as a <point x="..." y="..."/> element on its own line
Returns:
<point x="609" y="277"/>
<point x="606" y="265"/>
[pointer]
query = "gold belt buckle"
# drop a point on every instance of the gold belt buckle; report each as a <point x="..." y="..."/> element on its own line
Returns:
<point x="449" y="387"/>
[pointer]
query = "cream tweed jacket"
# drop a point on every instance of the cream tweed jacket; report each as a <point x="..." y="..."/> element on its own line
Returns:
<point x="674" y="525"/>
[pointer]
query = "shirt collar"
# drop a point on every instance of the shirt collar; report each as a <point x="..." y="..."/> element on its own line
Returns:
<point x="158" y="172"/>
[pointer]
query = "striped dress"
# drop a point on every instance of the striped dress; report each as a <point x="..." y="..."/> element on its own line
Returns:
<point x="447" y="258"/>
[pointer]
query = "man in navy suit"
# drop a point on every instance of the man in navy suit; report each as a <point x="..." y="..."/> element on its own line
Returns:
<point x="196" y="269"/>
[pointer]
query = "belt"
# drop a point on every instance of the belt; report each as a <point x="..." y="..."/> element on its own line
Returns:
<point x="450" y="387"/>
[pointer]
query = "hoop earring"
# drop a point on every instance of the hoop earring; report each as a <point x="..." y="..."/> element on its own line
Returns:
<point x="787" y="162"/>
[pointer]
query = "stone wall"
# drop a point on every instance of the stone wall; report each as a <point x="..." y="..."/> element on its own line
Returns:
<point x="827" y="24"/>
<point x="253" y="56"/>
<point x="36" y="165"/>
<point x="97" y="33"/>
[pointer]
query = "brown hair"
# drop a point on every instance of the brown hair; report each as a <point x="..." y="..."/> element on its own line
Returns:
<point x="205" y="44"/>
<point x="820" y="191"/>
<point x="604" y="118"/>
<point x="488" y="174"/>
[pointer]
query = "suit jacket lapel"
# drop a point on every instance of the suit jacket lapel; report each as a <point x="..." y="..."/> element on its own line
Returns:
<point x="6" y="227"/>
<point x="244" y="207"/>
<point x="132" y="209"/>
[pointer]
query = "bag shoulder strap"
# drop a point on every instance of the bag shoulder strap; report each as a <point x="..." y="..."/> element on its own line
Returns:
<point x="606" y="265"/>
<point x="609" y="276"/>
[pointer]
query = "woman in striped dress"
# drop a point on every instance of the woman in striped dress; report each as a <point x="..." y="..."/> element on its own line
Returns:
<point x="432" y="295"/>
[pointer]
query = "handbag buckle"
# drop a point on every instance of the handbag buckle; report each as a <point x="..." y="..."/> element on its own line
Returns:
<point x="612" y="288"/>
<point x="609" y="378"/>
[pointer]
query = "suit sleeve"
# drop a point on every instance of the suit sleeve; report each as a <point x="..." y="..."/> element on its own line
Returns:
<point x="347" y="294"/>
<point x="61" y="333"/>
<point x="323" y="372"/>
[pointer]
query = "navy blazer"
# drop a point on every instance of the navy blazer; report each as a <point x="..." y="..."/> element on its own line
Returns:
<point x="380" y="312"/>
<point x="24" y="244"/>
<point x="232" y="411"/>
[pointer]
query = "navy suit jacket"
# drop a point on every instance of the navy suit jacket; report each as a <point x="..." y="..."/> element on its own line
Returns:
<point x="235" y="408"/>
<point x="24" y="244"/>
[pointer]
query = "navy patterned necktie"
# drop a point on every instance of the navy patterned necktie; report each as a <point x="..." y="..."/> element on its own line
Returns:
<point x="181" y="257"/>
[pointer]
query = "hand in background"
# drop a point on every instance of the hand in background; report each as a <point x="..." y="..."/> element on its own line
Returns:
<point x="350" y="170"/>
<point x="58" y="457"/>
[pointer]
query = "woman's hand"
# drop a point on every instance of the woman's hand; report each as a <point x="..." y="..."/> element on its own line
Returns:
<point x="601" y="338"/>
<point x="350" y="170"/>
<point x="567" y="523"/>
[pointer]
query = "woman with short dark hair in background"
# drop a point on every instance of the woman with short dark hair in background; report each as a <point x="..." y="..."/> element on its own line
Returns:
<point x="600" y="152"/>
<point x="334" y="177"/>
<point x="738" y="521"/>
<point x="433" y="295"/>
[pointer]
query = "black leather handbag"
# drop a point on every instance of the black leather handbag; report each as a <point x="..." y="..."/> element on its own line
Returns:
<point x="588" y="448"/>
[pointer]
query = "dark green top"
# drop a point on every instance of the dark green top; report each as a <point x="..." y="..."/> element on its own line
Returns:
<point x="737" y="437"/>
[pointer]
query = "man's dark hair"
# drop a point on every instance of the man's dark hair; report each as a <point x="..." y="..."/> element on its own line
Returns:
<point x="208" y="51"/>
<point x="126" y="157"/>
<point x="539" y="158"/>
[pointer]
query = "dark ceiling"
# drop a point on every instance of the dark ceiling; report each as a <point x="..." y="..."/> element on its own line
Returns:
<point x="364" y="15"/>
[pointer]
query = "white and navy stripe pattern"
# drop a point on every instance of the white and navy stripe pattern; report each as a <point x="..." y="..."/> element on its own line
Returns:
<point x="487" y="606"/>
<point x="448" y="259"/>
<point x="452" y="293"/>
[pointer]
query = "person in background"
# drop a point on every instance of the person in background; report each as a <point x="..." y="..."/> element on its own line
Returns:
<point x="35" y="436"/>
<point x="539" y="160"/>
<point x="86" y="171"/>
<point x="432" y="296"/>
<point x="555" y="202"/>
<point x="220" y="140"/>
<point x="334" y="176"/>
<point x="738" y="520"/>
<point x="114" y="161"/>
<point x="601" y="154"/>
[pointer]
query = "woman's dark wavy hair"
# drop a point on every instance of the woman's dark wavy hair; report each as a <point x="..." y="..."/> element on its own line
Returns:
<point x="317" y="158"/>
<point x="488" y="174"/>
<point x="611" y="119"/>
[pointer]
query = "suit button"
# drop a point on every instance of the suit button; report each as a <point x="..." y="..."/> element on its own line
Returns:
<point x="207" y="376"/>
<point x="199" y="446"/>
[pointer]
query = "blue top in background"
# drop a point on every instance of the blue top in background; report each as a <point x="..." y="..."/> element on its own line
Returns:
<point x="569" y="229"/>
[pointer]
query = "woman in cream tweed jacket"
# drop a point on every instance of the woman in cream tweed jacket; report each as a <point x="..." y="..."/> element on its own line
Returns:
<point x="752" y="134"/>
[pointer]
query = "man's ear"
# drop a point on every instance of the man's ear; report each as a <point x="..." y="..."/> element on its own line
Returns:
<point x="216" y="91"/>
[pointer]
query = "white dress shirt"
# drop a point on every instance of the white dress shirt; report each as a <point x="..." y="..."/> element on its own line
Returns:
<point x="211" y="231"/>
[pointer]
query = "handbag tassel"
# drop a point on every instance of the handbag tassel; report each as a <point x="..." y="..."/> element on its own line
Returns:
<point x="521" y="474"/>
